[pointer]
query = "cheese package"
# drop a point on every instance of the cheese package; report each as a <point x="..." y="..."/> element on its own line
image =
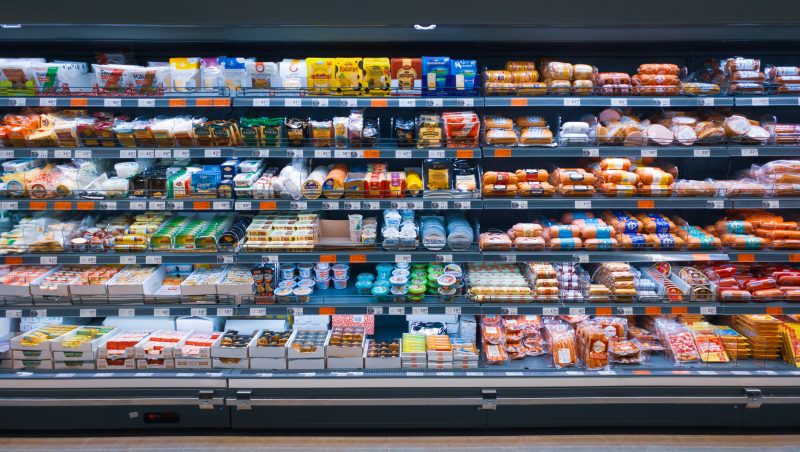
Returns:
<point x="348" y="76"/>
<point x="293" y="74"/>
<point x="435" y="71"/>
<point x="185" y="74"/>
<point x="262" y="75"/>
<point x="377" y="76"/>
<point x="320" y="75"/>
<point x="406" y="76"/>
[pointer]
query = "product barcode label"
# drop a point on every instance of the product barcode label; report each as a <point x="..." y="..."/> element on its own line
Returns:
<point x="419" y="310"/>
<point x="161" y="312"/>
<point x="649" y="152"/>
<point x="62" y="154"/>
<point x="261" y="102"/>
<point x="583" y="204"/>
<point x="322" y="153"/>
<point x="152" y="260"/>
<point x="549" y="311"/>
<point x="399" y="258"/>
<point x="126" y="312"/>
<point x="394" y="310"/>
<point x="146" y="153"/>
<point x="127" y="260"/>
<point x="181" y="153"/>
<point x="88" y="312"/>
<point x="88" y="260"/>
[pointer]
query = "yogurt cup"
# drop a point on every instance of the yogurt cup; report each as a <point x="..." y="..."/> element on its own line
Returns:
<point x="401" y="272"/>
<point x="340" y="271"/>
<point x="399" y="294"/>
<point x="305" y="270"/>
<point x="302" y="294"/>
<point x="287" y="283"/>
<point x="416" y="293"/>
<point x="446" y="281"/>
<point x="382" y="283"/>
<point x="287" y="271"/>
<point x="379" y="292"/>
<point x="402" y="265"/>
<point x="340" y="283"/>
<point x="363" y="287"/>
<point x="308" y="282"/>
<point x="323" y="284"/>
<point x="366" y="277"/>
<point x="284" y="295"/>
<point x="447" y="297"/>
<point x="322" y="266"/>
<point x="322" y="273"/>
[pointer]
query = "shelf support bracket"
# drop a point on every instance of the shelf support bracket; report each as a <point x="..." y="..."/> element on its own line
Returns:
<point x="489" y="399"/>
<point x="753" y="398"/>
<point x="243" y="400"/>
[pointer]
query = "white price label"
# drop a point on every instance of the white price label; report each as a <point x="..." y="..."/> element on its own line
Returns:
<point x="344" y="154"/>
<point x="269" y="259"/>
<point x="452" y="310"/>
<point x="137" y="205"/>
<point x="181" y="153"/>
<point x="213" y="153"/>
<point x="261" y="102"/>
<point x="375" y="310"/>
<point x="407" y="103"/>
<point x="146" y="153"/>
<point x="225" y="259"/>
<point x="625" y="311"/>
<point x="702" y="152"/>
<point x="352" y="205"/>
<point x="127" y="154"/>
<point x="6" y="154"/>
<point x="760" y="101"/>
<point x="439" y="205"/>
<point x="400" y="258"/>
<point x="414" y="205"/>
<point x="348" y="102"/>
<point x="402" y="154"/>
<point x="39" y="153"/>
<point x="163" y="153"/>
<point x="112" y="102"/>
<point x="549" y="311"/>
<point x="185" y="374"/>
<point x="577" y="311"/>
<point x="88" y="313"/>
<point x="126" y="312"/>
<point x="419" y="310"/>
<point x="64" y="375"/>
<point x="716" y="204"/>
<point x="39" y="313"/>
<point x="436" y="154"/>
<point x="47" y="102"/>
<point x="322" y="153"/>
<point x="198" y="312"/>
<point x="583" y="204"/>
<point x="519" y="205"/>
<point x="175" y="205"/>
<point x="298" y="205"/>
<point x="434" y="102"/>
<point x="582" y="258"/>
<point x="16" y="102"/>
<point x="48" y="260"/>
<point x="330" y="205"/>
<point x="319" y="102"/>
<point x="292" y="102"/>
<point x="444" y="258"/>
<point x="161" y="312"/>
<point x="466" y="102"/>
<point x="127" y="260"/>
<point x="444" y="374"/>
<point x="243" y="205"/>
<point x="708" y="310"/>
<point x="771" y="204"/>
<point x="62" y="154"/>
<point x="143" y="374"/>
<point x="294" y="311"/>
<point x="649" y="152"/>
<point x="152" y="260"/>
<point x="261" y="153"/>
<point x="397" y="310"/>
<point x="663" y="102"/>
<point x="509" y="310"/>
<point x="221" y="205"/>
<point x="414" y="374"/>
<point x="87" y="260"/>
<point x="706" y="102"/>
<point x="510" y="257"/>
<point x="224" y="312"/>
<point x="514" y="374"/>
<point x="619" y="102"/>
<point x="102" y="375"/>
<point x="572" y="102"/>
<point x="462" y="205"/>
<point x="146" y="103"/>
<point x="157" y="205"/>
<point x="371" y="205"/>
<point x="9" y="205"/>
<point x="591" y="152"/>
<point x="294" y="153"/>
<point x="13" y="313"/>
<point x="749" y="152"/>
<point x="83" y="154"/>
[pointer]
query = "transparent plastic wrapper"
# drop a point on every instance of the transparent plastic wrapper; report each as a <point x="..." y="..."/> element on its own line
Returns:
<point x="623" y="351"/>
<point x="678" y="340"/>
<point x="562" y="345"/>
<point x="494" y="355"/>
<point x="777" y="172"/>
<point x="687" y="188"/>
<point x="113" y="78"/>
<point x="592" y="345"/>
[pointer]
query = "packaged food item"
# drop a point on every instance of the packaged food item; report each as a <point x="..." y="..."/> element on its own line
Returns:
<point x="185" y="74"/>
<point x="406" y="76"/>
<point x="378" y="75"/>
<point x="294" y="75"/>
<point x="320" y="75"/>
<point x="348" y="76"/>
<point x="262" y="75"/>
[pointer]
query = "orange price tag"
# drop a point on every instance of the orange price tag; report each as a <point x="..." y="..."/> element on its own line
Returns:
<point x="327" y="311"/>
<point x="464" y="154"/>
<point x="652" y="310"/>
<point x="519" y="102"/>
<point x="79" y="102"/>
<point x="38" y="205"/>
<point x="602" y="311"/>
<point x="646" y="204"/>
<point x="794" y="258"/>
<point x="379" y="103"/>
<point x="680" y="310"/>
<point x="641" y="372"/>
<point x="774" y="310"/>
<point x="680" y="372"/>
<point x="204" y="102"/>
<point x="327" y="258"/>
<point x="177" y="103"/>
<point x="267" y="205"/>
<point x="358" y="258"/>
<point x="85" y="205"/>
<point x="502" y="152"/>
<point x="372" y="154"/>
<point x="223" y="102"/>
<point x="13" y="261"/>
<point x="746" y="258"/>
<point x="62" y="205"/>
<point x="202" y="205"/>
<point x="701" y="257"/>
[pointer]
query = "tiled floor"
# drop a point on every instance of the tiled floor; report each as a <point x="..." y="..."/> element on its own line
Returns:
<point x="449" y="441"/>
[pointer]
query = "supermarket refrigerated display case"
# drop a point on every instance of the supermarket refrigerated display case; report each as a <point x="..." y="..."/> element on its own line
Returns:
<point x="524" y="393"/>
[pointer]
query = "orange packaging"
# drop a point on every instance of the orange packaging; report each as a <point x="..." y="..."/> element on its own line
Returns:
<point x="406" y="75"/>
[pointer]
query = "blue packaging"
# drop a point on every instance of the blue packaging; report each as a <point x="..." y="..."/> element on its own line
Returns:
<point x="462" y="75"/>
<point x="205" y="182"/>
<point x="229" y="168"/>
<point x="434" y="73"/>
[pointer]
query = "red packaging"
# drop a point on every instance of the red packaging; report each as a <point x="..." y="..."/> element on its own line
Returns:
<point x="760" y="284"/>
<point x="407" y="75"/>
<point x="366" y="321"/>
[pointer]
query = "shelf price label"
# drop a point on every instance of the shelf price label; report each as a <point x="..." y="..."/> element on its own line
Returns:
<point x="706" y="102"/>
<point x="62" y="154"/>
<point x="319" y="102"/>
<point x="127" y="260"/>
<point x="436" y="154"/>
<point x="224" y="312"/>
<point x="465" y="102"/>
<point x="175" y="205"/>
<point x="158" y="205"/>
<point x="181" y="153"/>
<point x="716" y="204"/>
<point x="219" y="205"/>
<point x="749" y="152"/>
<point x="163" y="153"/>
<point x="400" y="258"/>
<point x="708" y="310"/>
<point x="330" y="205"/>
<point x="352" y="205"/>
<point x="298" y="205"/>
<point x="702" y="153"/>
<point x="375" y="310"/>
<point x="583" y="204"/>
<point x="439" y="205"/>
<point x="261" y="102"/>
<point x="9" y="205"/>
<point x="48" y="260"/>
<point x="13" y="313"/>
<point x="402" y="154"/>
<point x="591" y="152"/>
<point x="294" y="311"/>
<point x="572" y="102"/>
<point x="6" y="154"/>
<point x="213" y="153"/>
<point x="88" y="260"/>
<point x="16" y="102"/>
<point x="759" y="101"/>
<point x="261" y="153"/>
<point x="88" y="313"/>
<point x="419" y="310"/>
<point x="322" y="153"/>
<point x="617" y="102"/>
<point x="648" y="152"/>
<point x="161" y="312"/>
<point x="550" y="311"/>
<point x="397" y="310"/>
<point x="371" y="205"/>
<point x="269" y="259"/>
<point x="509" y="257"/>
<point x="509" y="310"/>
<point x="39" y="153"/>
<point x="462" y="204"/>
<point x="625" y="310"/>
<point x="452" y="310"/>
<point x="48" y="102"/>
<point x="407" y="103"/>
<point x="112" y="103"/>
<point x="126" y="312"/>
<point x="577" y="311"/>
<point x="348" y="103"/>
<point x="83" y="153"/>
<point x="444" y="258"/>
<point x="153" y="260"/>
<point x="292" y="102"/>
<point x="771" y="204"/>
<point x="519" y="205"/>
<point x="146" y="103"/>
<point x="225" y="259"/>
<point x="434" y="102"/>
<point x="146" y="153"/>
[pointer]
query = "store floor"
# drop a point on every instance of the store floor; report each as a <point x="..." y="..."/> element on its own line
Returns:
<point x="410" y="441"/>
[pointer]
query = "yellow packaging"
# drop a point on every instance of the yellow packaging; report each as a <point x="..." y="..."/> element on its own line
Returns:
<point x="320" y="75"/>
<point x="377" y="76"/>
<point x="348" y="76"/>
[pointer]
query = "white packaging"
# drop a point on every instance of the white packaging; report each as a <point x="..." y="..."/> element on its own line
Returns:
<point x="268" y="363"/>
<point x="74" y="365"/>
<point x="307" y="364"/>
<point x="155" y="363"/>
<point x="32" y="364"/>
<point x="183" y="363"/>
<point x="262" y="75"/>
<point x="468" y="328"/>
<point x="293" y="74"/>
<point x="116" y="363"/>
<point x="185" y="74"/>
<point x="230" y="363"/>
<point x="113" y="77"/>
<point x="205" y="324"/>
<point x="346" y="363"/>
<point x="218" y="351"/>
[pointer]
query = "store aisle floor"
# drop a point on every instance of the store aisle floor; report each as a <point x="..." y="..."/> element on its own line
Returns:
<point x="406" y="442"/>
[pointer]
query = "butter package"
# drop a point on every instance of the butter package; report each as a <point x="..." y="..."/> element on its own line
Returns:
<point x="320" y="75"/>
<point x="435" y="71"/>
<point x="407" y="76"/>
<point x="293" y="74"/>
<point x="462" y="74"/>
<point x="348" y="76"/>
<point x="355" y="183"/>
<point x="232" y="73"/>
<point x="185" y="74"/>
<point x="377" y="76"/>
